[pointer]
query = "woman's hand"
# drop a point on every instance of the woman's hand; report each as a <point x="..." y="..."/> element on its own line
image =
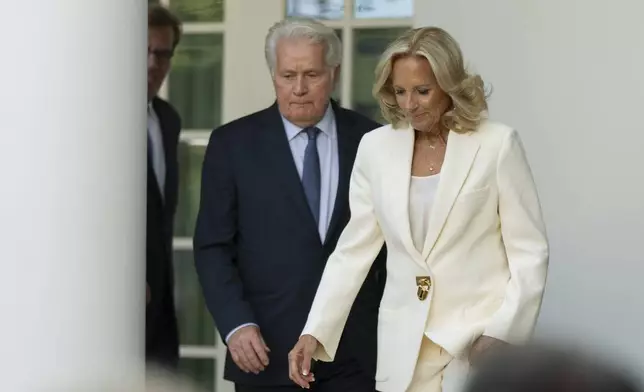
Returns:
<point x="299" y="361"/>
<point x="482" y="345"/>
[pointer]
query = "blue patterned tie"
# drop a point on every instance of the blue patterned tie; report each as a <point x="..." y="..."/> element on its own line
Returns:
<point x="311" y="172"/>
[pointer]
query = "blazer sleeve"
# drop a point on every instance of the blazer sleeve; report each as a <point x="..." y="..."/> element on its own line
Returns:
<point x="526" y="245"/>
<point x="214" y="240"/>
<point x="347" y="267"/>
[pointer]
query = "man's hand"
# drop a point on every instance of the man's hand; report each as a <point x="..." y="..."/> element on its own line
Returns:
<point x="482" y="345"/>
<point x="299" y="361"/>
<point x="248" y="349"/>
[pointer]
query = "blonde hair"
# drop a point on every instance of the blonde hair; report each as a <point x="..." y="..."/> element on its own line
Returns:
<point x="466" y="91"/>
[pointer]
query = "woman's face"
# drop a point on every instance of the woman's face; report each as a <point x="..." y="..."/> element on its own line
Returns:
<point x="418" y="94"/>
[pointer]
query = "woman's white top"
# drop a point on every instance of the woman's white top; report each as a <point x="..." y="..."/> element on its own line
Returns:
<point x="422" y="192"/>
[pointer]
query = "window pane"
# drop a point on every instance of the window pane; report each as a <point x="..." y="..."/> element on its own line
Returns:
<point x="200" y="371"/>
<point x="190" y="154"/>
<point x="199" y="10"/>
<point x="318" y="9"/>
<point x="368" y="46"/>
<point x="383" y="9"/>
<point x="195" y="323"/>
<point x="196" y="80"/>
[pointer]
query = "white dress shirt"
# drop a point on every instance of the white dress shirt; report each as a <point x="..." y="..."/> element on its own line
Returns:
<point x="327" y="143"/>
<point x="158" y="152"/>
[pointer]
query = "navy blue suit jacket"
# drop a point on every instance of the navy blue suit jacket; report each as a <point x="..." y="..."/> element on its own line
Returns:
<point x="161" y="335"/>
<point x="257" y="249"/>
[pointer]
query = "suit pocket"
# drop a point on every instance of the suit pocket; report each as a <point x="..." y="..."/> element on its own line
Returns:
<point x="473" y="194"/>
<point x="484" y="307"/>
<point x="470" y="202"/>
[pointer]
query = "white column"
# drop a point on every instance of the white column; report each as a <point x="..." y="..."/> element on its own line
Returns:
<point x="72" y="193"/>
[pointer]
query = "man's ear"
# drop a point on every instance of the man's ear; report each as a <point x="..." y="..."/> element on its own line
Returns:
<point x="336" y="76"/>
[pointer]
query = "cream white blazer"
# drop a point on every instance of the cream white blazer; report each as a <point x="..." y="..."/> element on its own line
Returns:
<point x="485" y="254"/>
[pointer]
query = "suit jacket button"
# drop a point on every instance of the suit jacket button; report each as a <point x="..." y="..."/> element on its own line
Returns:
<point x="424" y="284"/>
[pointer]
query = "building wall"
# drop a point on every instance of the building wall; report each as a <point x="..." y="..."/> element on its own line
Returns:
<point x="569" y="75"/>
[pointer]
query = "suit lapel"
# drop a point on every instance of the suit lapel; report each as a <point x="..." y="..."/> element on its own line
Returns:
<point x="279" y="158"/>
<point x="399" y="164"/>
<point x="460" y="154"/>
<point x="153" y="184"/>
<point x="348" y="142"/>
<point x="169" y="135"/>
<point x="152" y="177"/>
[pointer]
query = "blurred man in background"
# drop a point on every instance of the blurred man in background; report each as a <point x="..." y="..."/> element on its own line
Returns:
<point x="164" y="124"/>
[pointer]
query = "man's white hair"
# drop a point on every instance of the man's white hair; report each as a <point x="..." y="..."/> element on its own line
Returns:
<point x="303" y="28"/>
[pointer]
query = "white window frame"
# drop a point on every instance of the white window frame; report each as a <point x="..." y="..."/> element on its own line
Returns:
<point x="247" y="88"/>
<point x="348" y="25"/>
<point x="217" y="353"/>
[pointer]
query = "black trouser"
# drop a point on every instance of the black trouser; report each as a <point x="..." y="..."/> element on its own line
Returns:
<point x="329" y="377"/>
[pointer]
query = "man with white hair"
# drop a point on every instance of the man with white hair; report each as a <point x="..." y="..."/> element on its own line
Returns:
<point x="274" y="201"/>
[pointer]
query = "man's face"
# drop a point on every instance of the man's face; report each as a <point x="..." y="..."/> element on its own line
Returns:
<point x="160" y="53"/>
<point x="303" y="82"/>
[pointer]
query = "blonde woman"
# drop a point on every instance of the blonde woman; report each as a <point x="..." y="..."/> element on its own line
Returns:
<point x="451" y="195"/>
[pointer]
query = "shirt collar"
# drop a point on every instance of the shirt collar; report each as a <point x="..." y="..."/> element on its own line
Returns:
<point x="326" y="125"/>
<point x="151" y="112"/>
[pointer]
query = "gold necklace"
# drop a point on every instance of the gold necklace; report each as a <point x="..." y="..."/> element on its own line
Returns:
<point x="433" y="145"/>
<point x="433" y="165"/>
<point x="441" y="139"/>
